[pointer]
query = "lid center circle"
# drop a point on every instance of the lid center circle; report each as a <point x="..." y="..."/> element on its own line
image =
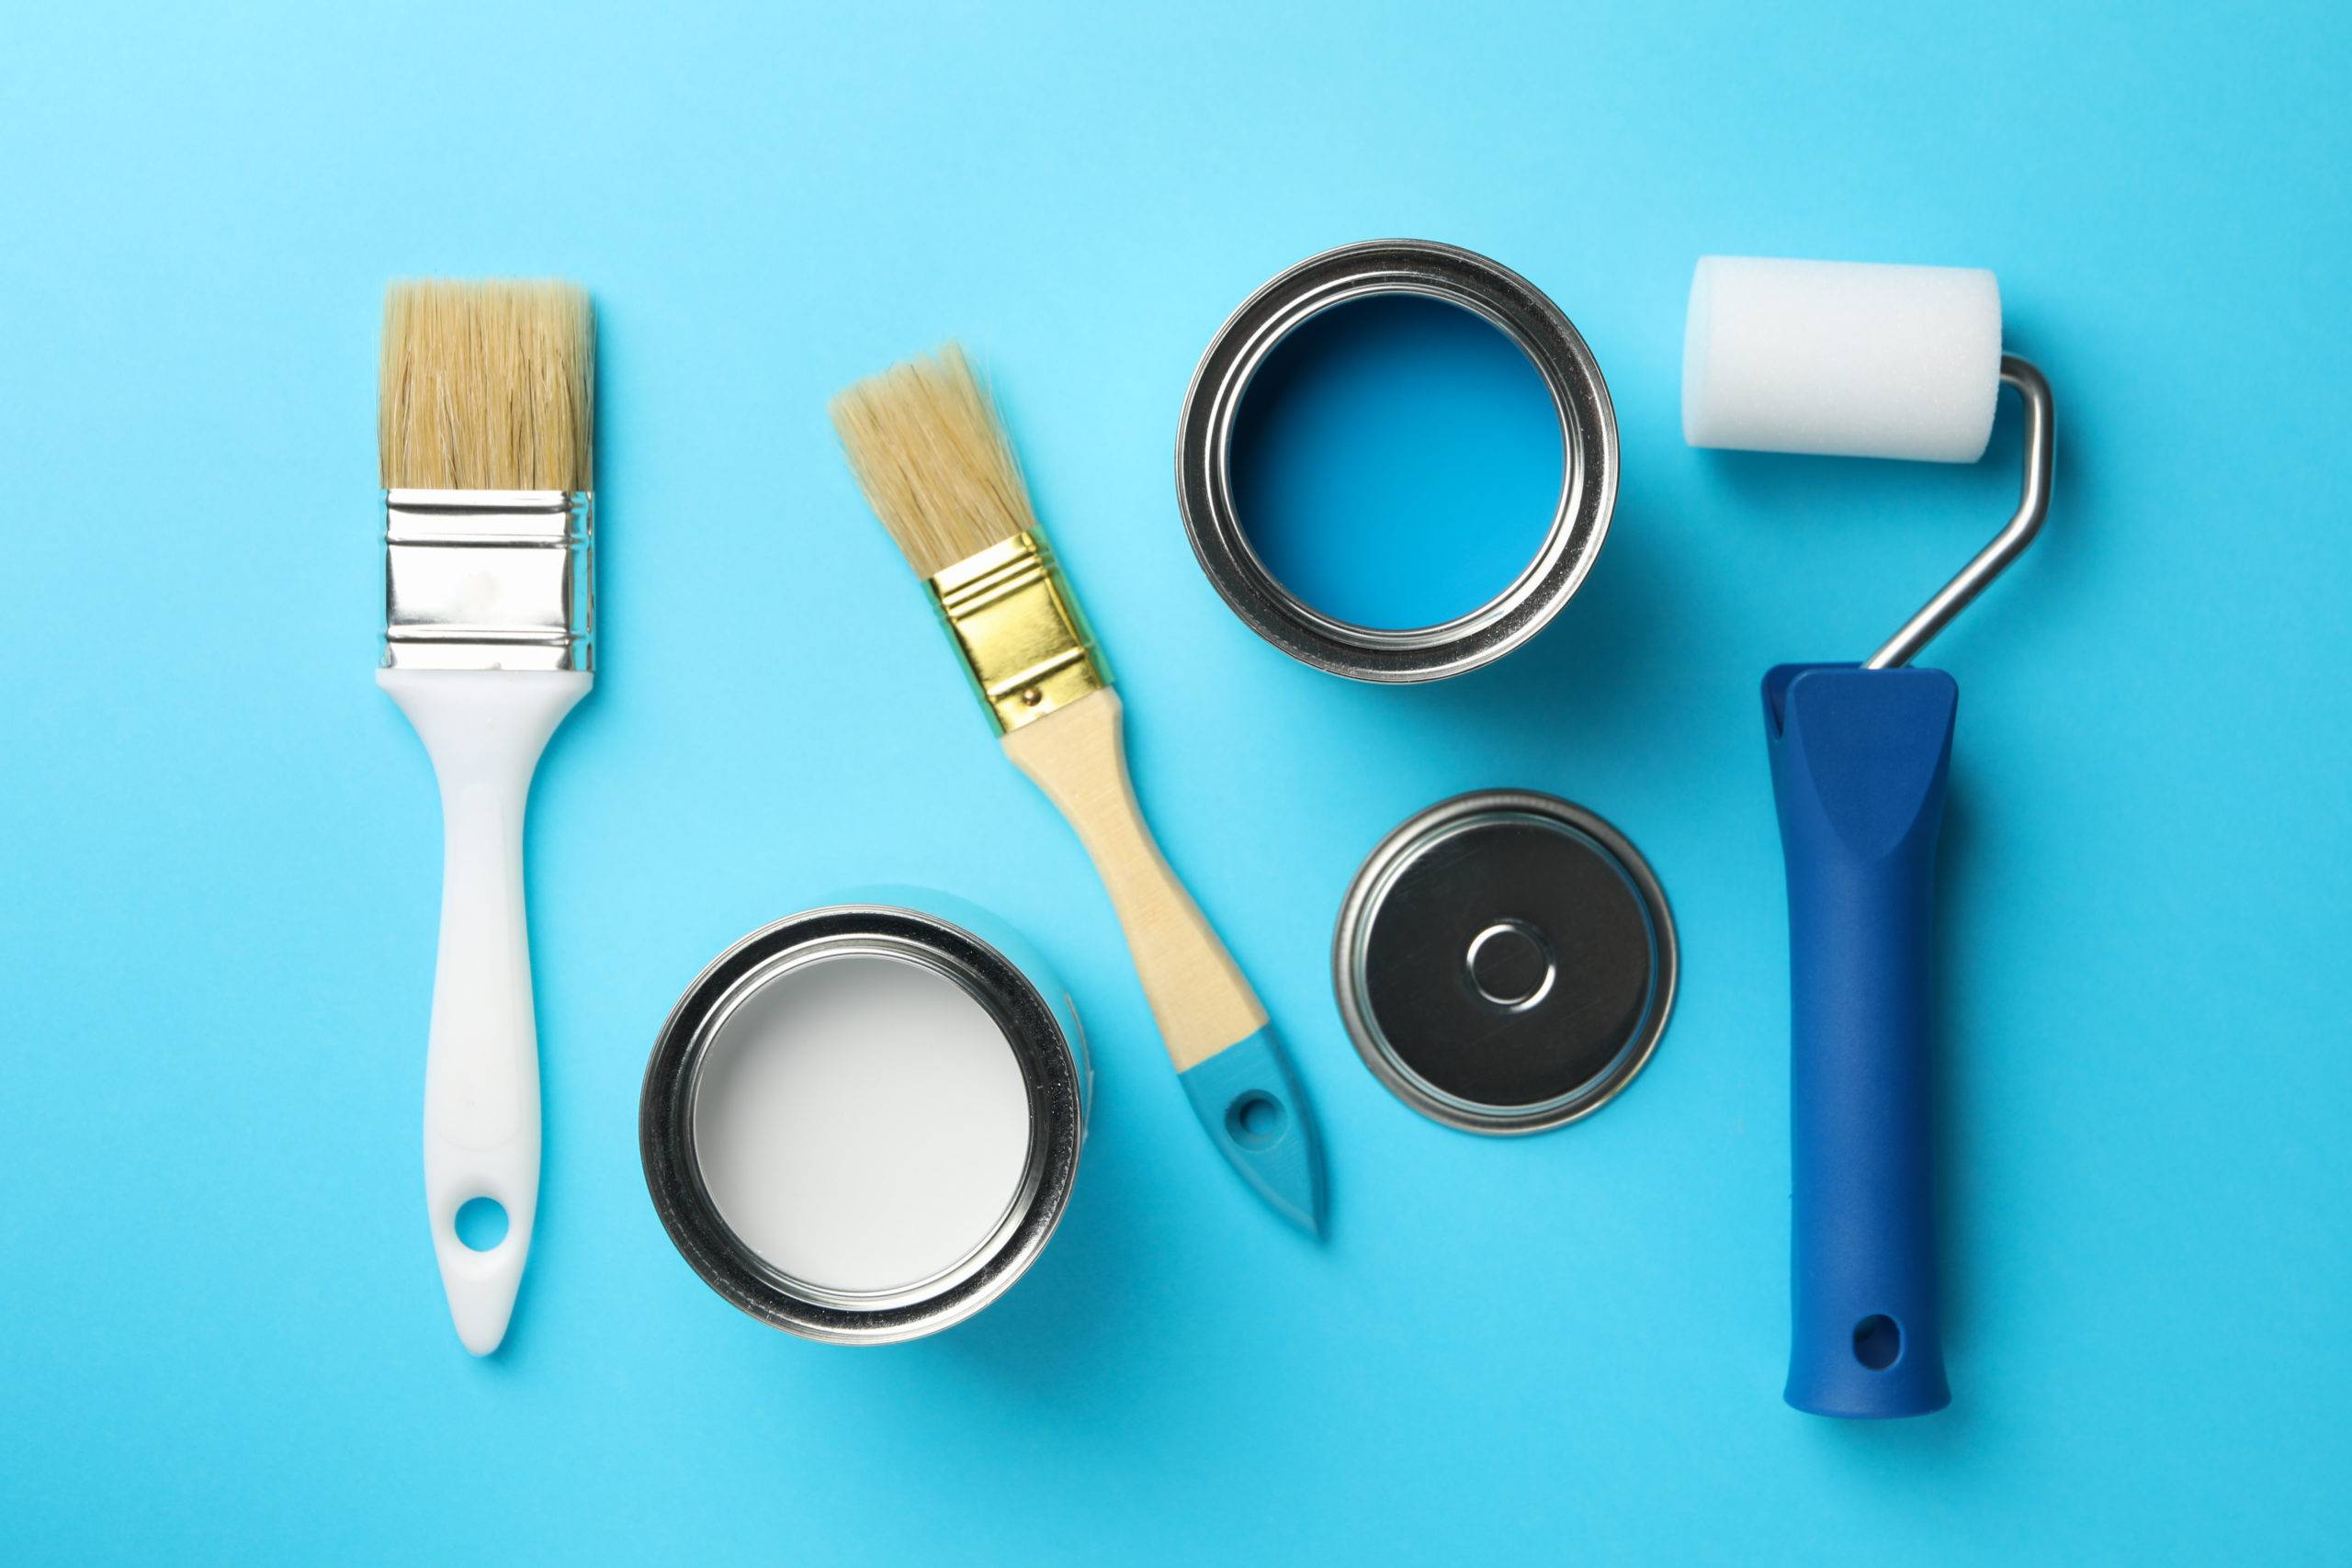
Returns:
<point x="1509" y="965"/>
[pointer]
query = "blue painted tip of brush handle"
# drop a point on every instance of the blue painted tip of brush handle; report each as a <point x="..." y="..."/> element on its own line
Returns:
<point x="1859" y="760"/>
<point x="1249" y="1101"/>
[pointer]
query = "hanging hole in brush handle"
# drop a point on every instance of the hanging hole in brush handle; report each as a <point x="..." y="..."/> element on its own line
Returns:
<point x="1859" y="760"/>
<point x="481" y="1224"/>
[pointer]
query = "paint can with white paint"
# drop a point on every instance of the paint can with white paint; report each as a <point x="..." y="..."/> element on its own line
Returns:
<point x="862" y="1124"/>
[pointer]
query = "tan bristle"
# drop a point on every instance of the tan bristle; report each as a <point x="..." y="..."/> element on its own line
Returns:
<point x="925" y="445"/>
<point x="487" y="386"/>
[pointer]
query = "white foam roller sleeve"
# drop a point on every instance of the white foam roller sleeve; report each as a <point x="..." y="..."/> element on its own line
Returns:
<point x="1846" y="359"/>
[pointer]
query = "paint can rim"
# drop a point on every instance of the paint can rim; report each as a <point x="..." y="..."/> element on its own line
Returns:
<point x="1251" y="335"/>
<point x="1053" y="1069"/>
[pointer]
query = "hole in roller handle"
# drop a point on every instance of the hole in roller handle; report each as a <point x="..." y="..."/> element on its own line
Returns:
<point x="2033" y="505"/>
<point x="1878" y="1342"/>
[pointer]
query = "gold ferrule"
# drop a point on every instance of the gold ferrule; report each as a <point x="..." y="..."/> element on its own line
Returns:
<point x="1018" y="627"/>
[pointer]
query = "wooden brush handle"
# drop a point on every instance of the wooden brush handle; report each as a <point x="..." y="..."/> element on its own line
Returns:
<point x="1078" y="755"/>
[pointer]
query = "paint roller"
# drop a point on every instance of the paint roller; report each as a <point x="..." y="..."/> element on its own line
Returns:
<point x="1846" y="359"/>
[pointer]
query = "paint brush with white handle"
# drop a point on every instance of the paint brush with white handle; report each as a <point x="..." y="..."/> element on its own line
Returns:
<point x="485" y="423"/>
<point x="936" y="467"/>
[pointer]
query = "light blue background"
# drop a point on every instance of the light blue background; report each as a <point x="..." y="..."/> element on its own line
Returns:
<point x="222" y="1336"/>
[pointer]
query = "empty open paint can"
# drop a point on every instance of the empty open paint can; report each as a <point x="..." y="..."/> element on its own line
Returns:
<point x="1396" y="460"/>
<point x="860" y="1124"/>
<point x="1504" y="962"/>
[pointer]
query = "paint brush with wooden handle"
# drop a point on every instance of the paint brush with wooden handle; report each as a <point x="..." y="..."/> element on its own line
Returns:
<point x="934" y="463"/>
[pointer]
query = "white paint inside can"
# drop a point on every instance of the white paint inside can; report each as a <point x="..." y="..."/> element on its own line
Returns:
<point x="861" y="1122"/>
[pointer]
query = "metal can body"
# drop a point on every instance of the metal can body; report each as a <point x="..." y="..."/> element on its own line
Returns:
<point x="1249" y="339"/>
<point x="932" y="941"/>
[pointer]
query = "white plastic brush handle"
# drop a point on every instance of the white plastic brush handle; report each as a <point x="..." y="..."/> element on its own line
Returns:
<point x="484" y="730"/>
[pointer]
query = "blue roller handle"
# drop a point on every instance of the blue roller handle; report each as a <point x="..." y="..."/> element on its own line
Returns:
<point x="1858" y="758"/>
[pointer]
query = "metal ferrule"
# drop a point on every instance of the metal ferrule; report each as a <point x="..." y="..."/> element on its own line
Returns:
<point x="1018" y="627"/>
<point x="489" y="579"/>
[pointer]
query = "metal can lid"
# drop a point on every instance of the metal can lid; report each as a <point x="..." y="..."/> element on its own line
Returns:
<point x="1504" y="962"/>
